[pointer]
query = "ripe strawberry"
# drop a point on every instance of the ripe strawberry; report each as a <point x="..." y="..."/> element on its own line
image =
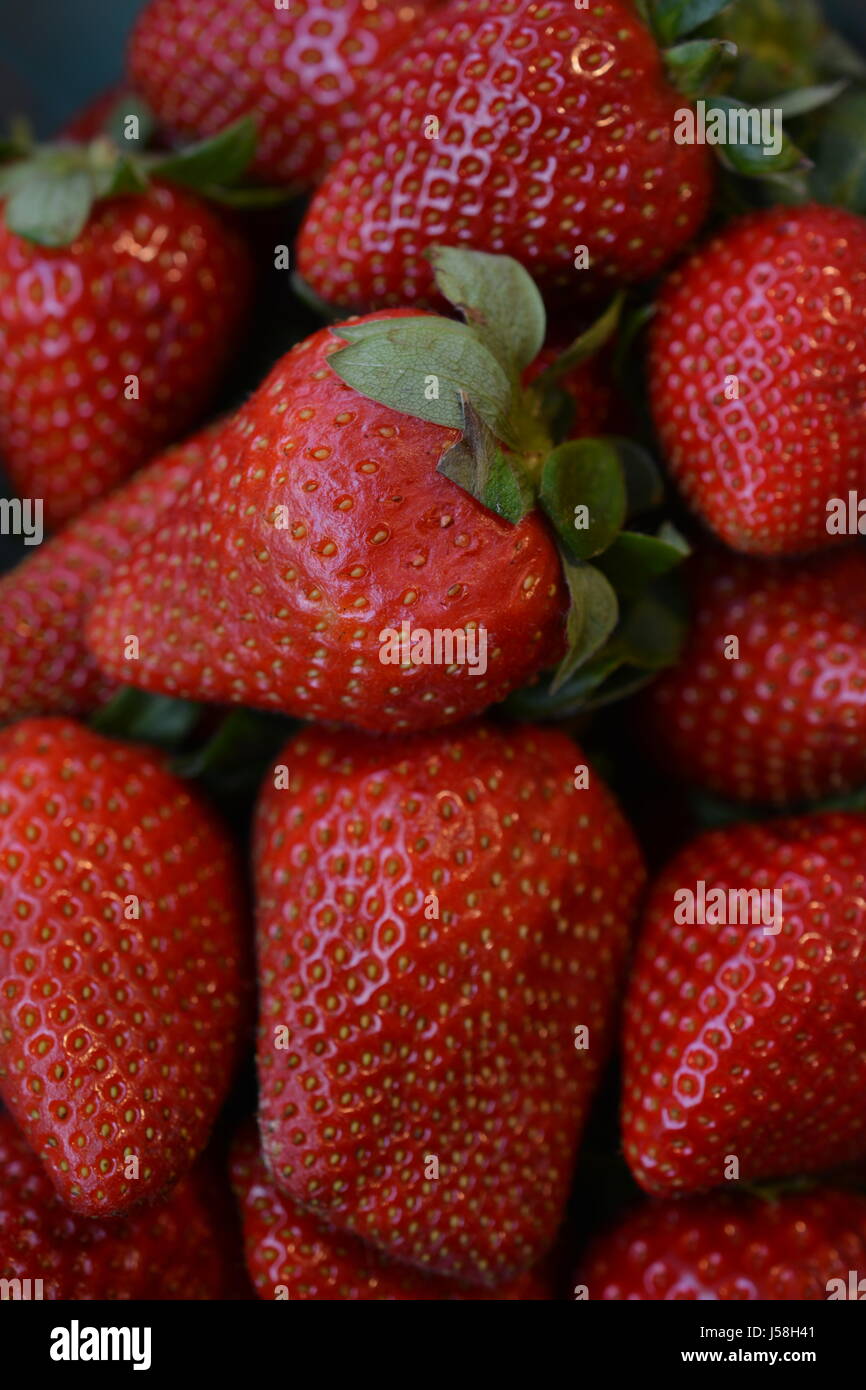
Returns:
<point x="437" y="918"/>
<point x="154" y="288"/>
<point x="554" y="131"/>
<point x="785" y="720"/>
<point x="122" y="961"/>
<point x="289" y="617"/>
<point x="293" y="1254"/>
<point x="45" y="667"/>
<point x="731" y="1248"/>
<point x="755" y="380"/>
<point x="176" y="1248"/>
<point x="743" y="1041"/>
<point x="303" y="70"/>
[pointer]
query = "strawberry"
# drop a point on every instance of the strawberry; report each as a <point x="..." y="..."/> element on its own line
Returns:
<point x="542" y="131"/>
<point x="176" y="1248"/>
<point x="755" y="380"/>
<point x="122" y="961"/>
<point x="303" y="70"/>
<point x="118" y="316"/>
<point x="744" y="1040"/>
<point x="385" y="484"/>
<point x="292" y="1254"/>
<point x="784" y="720"/>
<point x="439" y="919"/>
<point x="45" y="667"/>
<point x="725" y="1247"/>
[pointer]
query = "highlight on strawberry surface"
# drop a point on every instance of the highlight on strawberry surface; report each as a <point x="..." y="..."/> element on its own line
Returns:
<point x="433" y="661"/>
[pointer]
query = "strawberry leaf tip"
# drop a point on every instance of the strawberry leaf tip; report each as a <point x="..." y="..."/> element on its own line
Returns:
<point x="498" y="299"/>
<point x="673" y="19"/>
<point x="142" y="717"/>
<point x="583" y="493"/>
<point x="592" y="616"/>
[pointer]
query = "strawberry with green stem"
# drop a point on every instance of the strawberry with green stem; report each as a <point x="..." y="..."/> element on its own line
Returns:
<point x="398" y="469"/>
<point x="123" y="296"/>
<point x="542" y="131"/>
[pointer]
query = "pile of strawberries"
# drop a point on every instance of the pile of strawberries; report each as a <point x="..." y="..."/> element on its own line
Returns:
<point x="410" y="410"/>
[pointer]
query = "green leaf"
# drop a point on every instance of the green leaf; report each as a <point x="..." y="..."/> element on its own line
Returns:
<point x="498" y="299"/>
<point x="592" y="616"/>
<point x="249" y="196"/>
<point x="806" y="99"/>
<point x="839" y="175"/>
<point x="137" y="715"/>
<point x="746" y="152"/>
<point x="217" y="161"/>
<point x="583" y="347"/>
<point x="643" y="481"/>
<point x="635" y="559"/>
<point x="583" y="492"/>
<point x="671" y="19"/>
<point x="425" y="366"/>
<point x="478" y="465"/>
<point x="45" y="206"/>
<point x="653" y="629"/>
<point x="693" y="65"/>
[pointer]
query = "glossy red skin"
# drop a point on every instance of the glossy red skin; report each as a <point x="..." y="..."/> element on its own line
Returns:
<point x="777" y="299"/>
<point x="45" y="666"/>
<point x="786" y="721"/>
<point x="156" y="286"/>
<point x="289" y="1249"/>
<point x="174" y="1249"/>
<point x="168" y="991"/>
<point x="304" y="72"/>
<point x="739" y="1042"/>
<point x="280" y="622"/>
<point x="537" y="884"/>
<point x="728" y="1247"/>
<point x="533" y="158"/>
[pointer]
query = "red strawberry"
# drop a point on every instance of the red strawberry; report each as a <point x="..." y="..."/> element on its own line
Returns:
<point x="755" y="378"/>
<point x="438" y="916"/>
<point x="294" y="1255"/>
<point x="748" y="1042"/>
<point x="303" y="70"/>
<point x="786" y="720"/>
<point x="554" y="132"/>
<point x="176" y="1248"/>
<point x="45" y="667"/>
<point x="290" y="617"/>
<point x="731" y="1248"/>
<point x="122" y="961"/>
<point x="148" y="298"/>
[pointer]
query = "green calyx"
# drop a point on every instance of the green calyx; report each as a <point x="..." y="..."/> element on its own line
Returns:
<point x="50" y="191"/>
<point x="512" y="454"/>
<point x="747" y="134"/>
